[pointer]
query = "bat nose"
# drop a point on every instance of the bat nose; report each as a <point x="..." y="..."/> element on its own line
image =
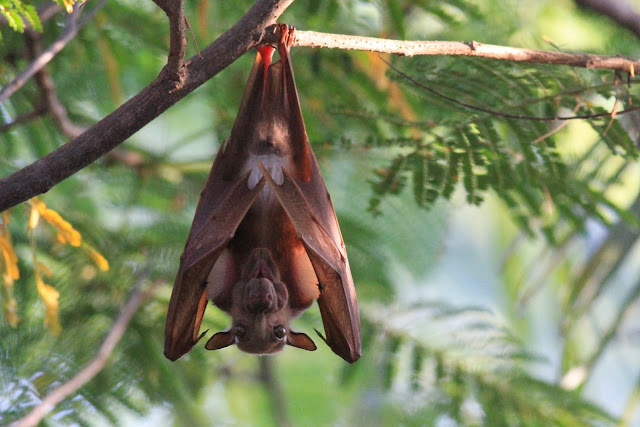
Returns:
<point x="260" y="303"/>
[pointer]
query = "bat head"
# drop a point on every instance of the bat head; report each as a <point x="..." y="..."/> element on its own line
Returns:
<point x="260" y="311"/>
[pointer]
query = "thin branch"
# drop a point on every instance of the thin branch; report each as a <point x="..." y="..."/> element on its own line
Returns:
<point x="508" y="115"/>
<point x="37" y="178"/>
<point x="618" y="10"/>
<point x="71" y="28"/>
<point x="37" y="112"/>
<point x="48" y="89"/>
<point x="177" y="38"/>
<point x="87" y="373"/>
<point x="452" y="48"/>
<point x="48" y="11"/>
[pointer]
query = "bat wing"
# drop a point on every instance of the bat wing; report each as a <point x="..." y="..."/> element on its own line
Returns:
<point x="337" y="301"/>
<point x="189" y="299"/>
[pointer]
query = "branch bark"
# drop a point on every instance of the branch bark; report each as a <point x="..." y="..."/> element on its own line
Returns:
<point x="472" y="48"/>
<point x="93" y="368"/>
<point x="177" y="38"/>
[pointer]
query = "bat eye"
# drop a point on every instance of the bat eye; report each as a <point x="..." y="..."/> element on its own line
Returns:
<point x="279" y="331"/>
<point x="240" y="331"/>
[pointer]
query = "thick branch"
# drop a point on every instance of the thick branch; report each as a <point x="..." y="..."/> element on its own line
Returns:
<point x="618" y="10"/>
<point x="93" y="368"/>
<point x="452" y="48"/>
<point x="108" y="133"/>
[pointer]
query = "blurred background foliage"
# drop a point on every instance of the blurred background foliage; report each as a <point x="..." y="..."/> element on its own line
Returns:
<point x="496" y="259"/>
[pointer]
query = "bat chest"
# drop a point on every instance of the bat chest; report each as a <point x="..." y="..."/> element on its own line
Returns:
<point x="268" y="226"/>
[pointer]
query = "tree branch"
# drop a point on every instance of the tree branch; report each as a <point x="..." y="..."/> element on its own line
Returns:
<point x="177" y="38"/>
<point x="618" y="10"/>
<point x="94" y="367"/>
<point x="253" y="29"/>
<point x="108" y="133"/>
<point x="39" y="111"/>
<point x="472" y="48"/>
<point x="48" y="89"/>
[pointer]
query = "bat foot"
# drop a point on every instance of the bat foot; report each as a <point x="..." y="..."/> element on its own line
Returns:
<point x="287" y="35"/>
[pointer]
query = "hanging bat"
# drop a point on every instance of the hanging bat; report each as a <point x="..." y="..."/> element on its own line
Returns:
<point x="265" y="240"/>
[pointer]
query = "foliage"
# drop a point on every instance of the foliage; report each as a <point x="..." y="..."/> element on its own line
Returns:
<point x="516" y="157"/>
<point x="384" y="141"/>
<point x="18" y="14"/>
<point x="468" y="367"/>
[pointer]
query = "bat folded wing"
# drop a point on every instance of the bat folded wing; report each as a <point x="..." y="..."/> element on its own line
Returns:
<point x="188" y="299"/>
<point x="337" y="301"/>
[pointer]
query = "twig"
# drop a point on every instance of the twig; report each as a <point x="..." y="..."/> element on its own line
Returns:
<point x="618" y="10"/>
<point x="453" y="48"/>
<point x="87" y="373"/>
<point x="507" y="115"/>
<point x="254" y="28"/>
<point x="71" y="28"/>
<point x="48" y="89"/>
<point x="177" y="38"/>
<point x="274" y="390"/>
<point x="39" y="111"/>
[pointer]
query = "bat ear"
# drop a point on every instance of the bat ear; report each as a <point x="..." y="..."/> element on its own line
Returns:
<point x="300" y="340"/>
<point x="221" y="340"/>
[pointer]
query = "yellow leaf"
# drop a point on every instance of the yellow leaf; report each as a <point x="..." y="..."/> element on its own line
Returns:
<point x="44" y="269"/>
<point x="10" y="309"/>
<point x="97" y="257"/>
<point x="68" y="4"/>
<point x="66" y="234"/>
<point x="10" y="306"/>
<point x="49" y="296"/>
<point x="10" y="260"/>
<point x="61" y="238"/>
<point x="34" y="217"/>
<point x="6" y="218"/>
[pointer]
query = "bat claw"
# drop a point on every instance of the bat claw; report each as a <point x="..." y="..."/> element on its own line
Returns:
<point x="321" y="336"/>
<point x="202" y="335"/>
<point x="287" y="33"/>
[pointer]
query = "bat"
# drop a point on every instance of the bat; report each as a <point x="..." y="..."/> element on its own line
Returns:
<point x="265" y="241"/>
